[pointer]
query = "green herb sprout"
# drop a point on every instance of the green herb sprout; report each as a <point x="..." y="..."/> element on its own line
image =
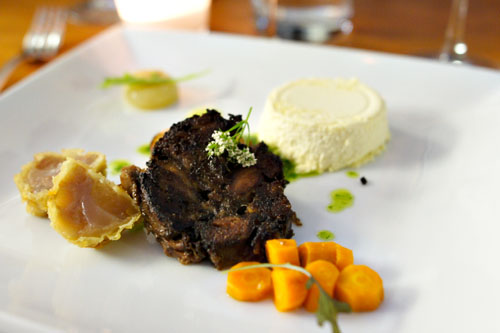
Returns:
<point x="155" y="78"/>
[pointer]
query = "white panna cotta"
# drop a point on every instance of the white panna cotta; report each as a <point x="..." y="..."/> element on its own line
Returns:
<point x="325" y="124"/>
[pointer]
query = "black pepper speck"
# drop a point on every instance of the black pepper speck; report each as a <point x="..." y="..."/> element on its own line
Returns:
<point x="363" y="181"/>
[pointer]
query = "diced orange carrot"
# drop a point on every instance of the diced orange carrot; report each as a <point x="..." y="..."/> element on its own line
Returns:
<point x="326" y="274"/>
<point x="360" y="287"/>
<point x="249" y="285"/>
<point x="312" y="251"/>
<point x="289" y="288"/>
<point x="282" y="251"/>
<point x="343" y="257"/>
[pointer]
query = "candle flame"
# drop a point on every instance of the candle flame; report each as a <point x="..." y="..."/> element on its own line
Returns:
<point x="150" y="11"/>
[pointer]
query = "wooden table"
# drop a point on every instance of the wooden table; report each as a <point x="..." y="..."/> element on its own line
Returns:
<point x="396" y="26"/>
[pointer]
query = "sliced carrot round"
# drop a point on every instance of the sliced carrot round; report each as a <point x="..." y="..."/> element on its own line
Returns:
<point x="326" y="274"/>
<point x="249" y="285"/>
<point x="360" y="287"/>
<point x="343" y="257"/>
<point x="289" y="288"/>
<point x="312" y="251"/>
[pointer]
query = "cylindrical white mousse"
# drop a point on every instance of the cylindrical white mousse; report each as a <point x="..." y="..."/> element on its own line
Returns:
<point x="325" y="124"/>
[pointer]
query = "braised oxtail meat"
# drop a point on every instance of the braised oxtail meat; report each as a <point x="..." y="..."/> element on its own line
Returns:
<point x="201" y="207"/>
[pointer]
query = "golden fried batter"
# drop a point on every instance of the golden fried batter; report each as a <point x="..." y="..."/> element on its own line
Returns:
<point x="86" y="208"/>
<point x="35" y="179"/>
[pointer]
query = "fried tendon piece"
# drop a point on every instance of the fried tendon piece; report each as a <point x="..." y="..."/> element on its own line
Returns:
<point x="86" y="208"/>
<point x="35" y="179"/>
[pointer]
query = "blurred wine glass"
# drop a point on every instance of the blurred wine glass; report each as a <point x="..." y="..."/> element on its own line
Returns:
<point x="455" y="48"/>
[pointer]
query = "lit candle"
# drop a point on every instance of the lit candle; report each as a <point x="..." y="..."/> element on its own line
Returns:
<point x="177" y="14"/>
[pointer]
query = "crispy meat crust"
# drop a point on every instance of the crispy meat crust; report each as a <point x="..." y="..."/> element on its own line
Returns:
<point x="199" y="207"/>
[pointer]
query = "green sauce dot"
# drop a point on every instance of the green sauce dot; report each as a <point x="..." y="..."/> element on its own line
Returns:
<point x="144" y="149"/>
<point x="116" y="166"/>
<point x="325" y="235"/>
<point x="352" y="174"/>
<point x="341" y="199"/>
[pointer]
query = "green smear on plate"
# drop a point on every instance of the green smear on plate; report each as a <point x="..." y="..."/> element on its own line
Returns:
<point x="325" y="235"/>
<point x="116" y="166"/>
<point x="289" y="167"/>
<point x="352" y="174"/>
<point x="290" y="172"/>
<point x="340" y="200"/>
<point x="144" y="149"/>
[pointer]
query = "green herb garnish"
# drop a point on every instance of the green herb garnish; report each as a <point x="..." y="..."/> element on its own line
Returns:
<point x="155" y="78"/>
<point x="328" y="308"/>
<point x="225" y="141"/>
<point x="144" y="149"/>
<point x="116" y="166"/>
<point x="325" y="235"/>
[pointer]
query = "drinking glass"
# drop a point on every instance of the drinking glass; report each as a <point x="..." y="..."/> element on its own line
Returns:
<point x="309" y="20"/>
<point x="94" y="12"/>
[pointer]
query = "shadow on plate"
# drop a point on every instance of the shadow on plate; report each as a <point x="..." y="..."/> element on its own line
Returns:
<point x="137" y="247"/>
<point x="417" y="138"/>
<point x="133" y="245"/>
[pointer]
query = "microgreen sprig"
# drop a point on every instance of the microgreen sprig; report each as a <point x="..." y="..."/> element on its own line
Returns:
<point x="154" y="78"/>
<point x="225" y="141"/>
<point x="328" y="308"/>
<point x="240" y="128"/>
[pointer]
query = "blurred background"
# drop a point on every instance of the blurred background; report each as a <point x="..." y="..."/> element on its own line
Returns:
<point x="410" y="27"/>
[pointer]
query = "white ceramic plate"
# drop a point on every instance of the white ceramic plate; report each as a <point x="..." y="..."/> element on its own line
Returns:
<point x="428" y="221"/>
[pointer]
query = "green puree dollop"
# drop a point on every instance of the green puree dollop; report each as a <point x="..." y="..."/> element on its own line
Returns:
<point x="341" y="199"/>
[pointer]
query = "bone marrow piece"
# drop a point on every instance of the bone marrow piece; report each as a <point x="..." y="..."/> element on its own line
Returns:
<point x="210" y="208"/>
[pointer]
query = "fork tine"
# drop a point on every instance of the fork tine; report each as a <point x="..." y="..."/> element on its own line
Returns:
<point x="43" y="33"/>
<point x="41" y="41"/>
<point x="60" y="22"/>
<point x="32" y="39"/>
<point x="39" y="19"/>
<point x="47" y="29"/>
<point x="57" y="26"/>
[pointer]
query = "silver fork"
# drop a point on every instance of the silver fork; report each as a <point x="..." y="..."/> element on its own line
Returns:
<point x="41" y="42"/>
